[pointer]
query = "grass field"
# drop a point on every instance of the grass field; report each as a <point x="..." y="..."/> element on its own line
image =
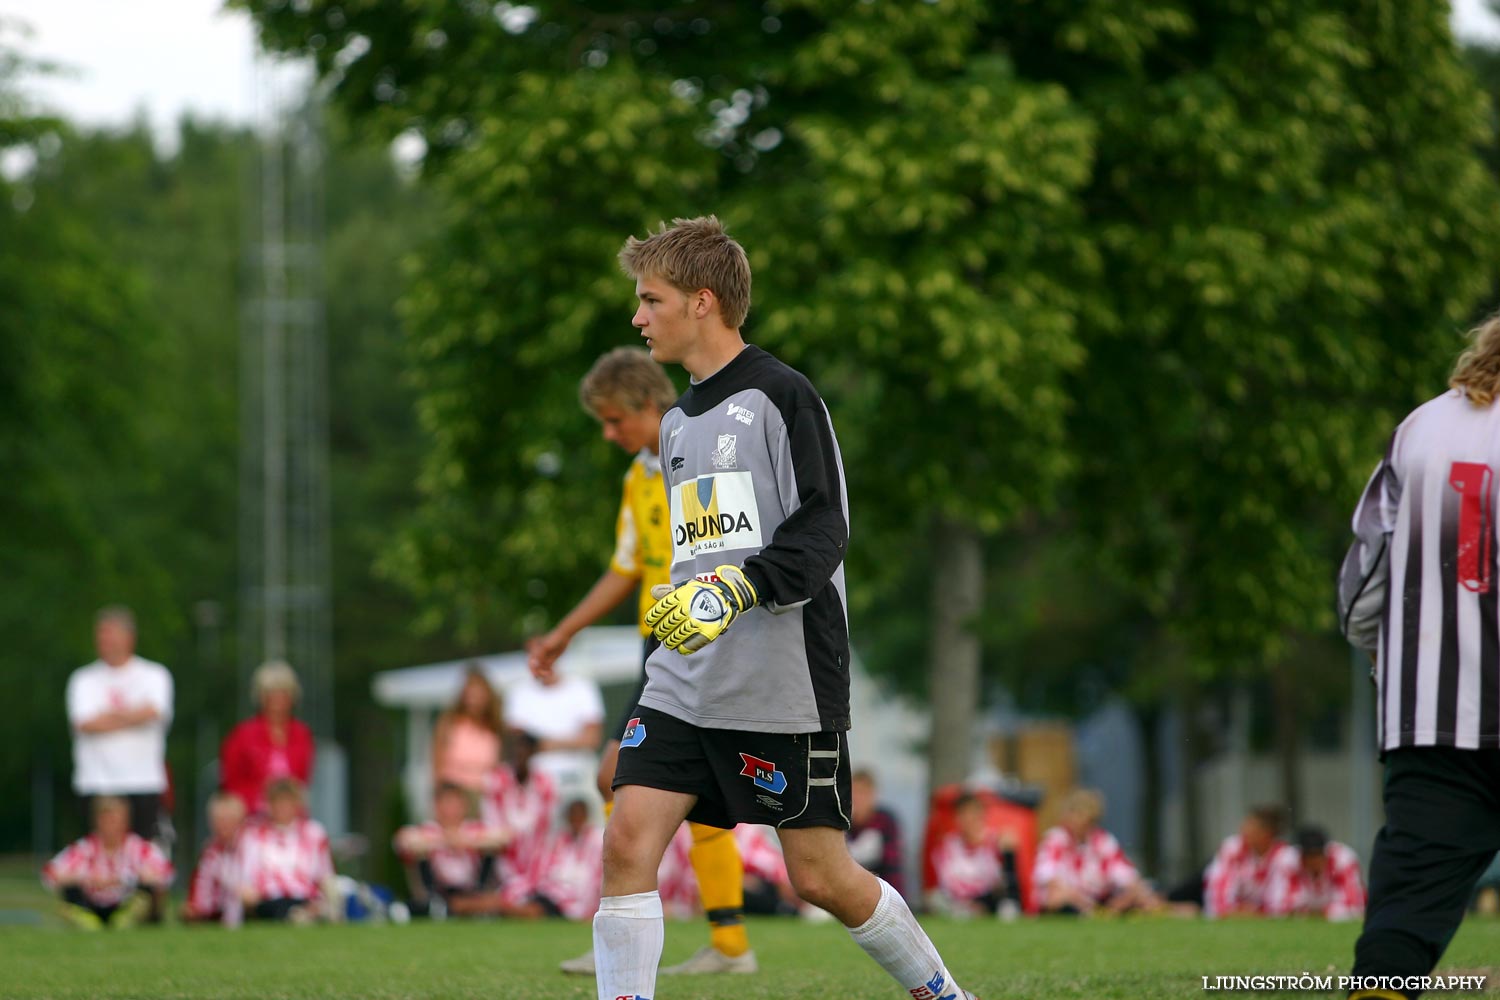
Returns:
<point x="1030" y="959"/>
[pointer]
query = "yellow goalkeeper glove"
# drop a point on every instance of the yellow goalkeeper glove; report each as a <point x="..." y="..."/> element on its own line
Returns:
<point x="691" y="616"/>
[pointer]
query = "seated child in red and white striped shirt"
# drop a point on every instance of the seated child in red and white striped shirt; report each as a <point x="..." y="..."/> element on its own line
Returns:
<point x="768" y="888"/>
<point x="1080" y="867"/>
<point x="214" y="892"/>
<point x="568" y="870"/>
<point x="1236" y="880"/>
<point x="286" y="869"/>
<point x="519" y="799"/>
<point x="450" y="861"/>
<point x="1316" y="877"/>
<point x="110" y="877"/>
<point x="976" y="867"/>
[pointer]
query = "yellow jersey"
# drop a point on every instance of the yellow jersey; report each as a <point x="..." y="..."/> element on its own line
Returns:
<point x="643" y="536"/>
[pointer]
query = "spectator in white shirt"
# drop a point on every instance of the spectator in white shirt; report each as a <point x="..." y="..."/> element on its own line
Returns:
<point x="566" y="715"/>
<point x="119" y="708"/>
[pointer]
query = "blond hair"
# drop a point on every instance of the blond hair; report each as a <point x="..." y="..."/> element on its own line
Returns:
<point x="276" y="675"/>
<point x="1085" y="803"/>
<point x="226" y="802"/>
<point x="627" y="377"/>
<point x="691" y="254"/>
<point x="287" y="787"/>
<point x="1477" y="372"/>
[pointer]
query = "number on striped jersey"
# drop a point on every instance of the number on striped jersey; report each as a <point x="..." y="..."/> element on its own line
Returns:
<point x="1475" y="485"/>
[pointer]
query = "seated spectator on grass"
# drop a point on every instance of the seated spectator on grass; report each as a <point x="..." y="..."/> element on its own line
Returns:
<point x="520" y="799"/>
<point x="569" y="870"/>
<point x="768" y="889"/>
<point x="1080" y="867"/>
<point x="676" y="883"/>
<point x="1235" y="882"/>
<point x="286" y="870"/>
<point x="214" y="892"/>
<point x="450" y="861"/>
<point x="112" y="877"/>
<point x="270" y="745"/>
<point x="976" y="869"/>
<point x="466" y="740"/>
<point x="874" y="835"/>
<point x="1317" y="877"/>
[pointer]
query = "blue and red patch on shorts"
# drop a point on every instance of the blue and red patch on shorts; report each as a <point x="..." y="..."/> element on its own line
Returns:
<point x="635" y="733"/>
<point x="764" y="773"/>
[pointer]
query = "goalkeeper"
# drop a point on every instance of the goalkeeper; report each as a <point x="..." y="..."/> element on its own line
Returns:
<point x="746" y="706"/>
<point x="627" y="393"/>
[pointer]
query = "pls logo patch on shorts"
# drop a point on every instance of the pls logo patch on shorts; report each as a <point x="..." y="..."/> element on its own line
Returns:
<point x="635" y="734"/>
<point x="763" y="773"/>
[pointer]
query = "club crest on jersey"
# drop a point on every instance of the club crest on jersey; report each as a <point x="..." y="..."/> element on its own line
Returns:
<point x="725" y="456"/>
<point x="635" y="733"/>
<point x="763" y="773"/>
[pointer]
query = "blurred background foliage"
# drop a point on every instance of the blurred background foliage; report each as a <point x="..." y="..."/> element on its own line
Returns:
<point x="1114" y="304"/>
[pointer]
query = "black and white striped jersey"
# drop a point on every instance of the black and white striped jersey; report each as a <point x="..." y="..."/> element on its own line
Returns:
<point x="1418" y="589"/>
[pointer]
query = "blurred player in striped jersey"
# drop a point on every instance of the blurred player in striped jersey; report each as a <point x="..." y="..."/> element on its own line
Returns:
<point x="112" y="877"/>
<point x="1319" y="878"/>
<point x="627" y="393"/>
<point x="285" y="867"/>
<point x="214" y="891"/>
<point x="976" y="866"/>
<point x="1418" y="593"/>
<point x="1081" y="867"/>
<point x="450" y="860"/>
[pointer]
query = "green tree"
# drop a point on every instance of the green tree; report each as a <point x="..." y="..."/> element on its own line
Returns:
<point x="1173" y="265"/>
<point x="593" y="125"/>
<point x="69" y="440"/>
<point x="120" y="270"/>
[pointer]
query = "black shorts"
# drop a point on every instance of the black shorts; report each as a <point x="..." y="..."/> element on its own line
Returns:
<point x="781" y="779"/>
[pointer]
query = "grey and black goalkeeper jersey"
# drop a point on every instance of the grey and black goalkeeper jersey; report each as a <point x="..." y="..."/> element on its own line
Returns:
<point x="1418" y="588"/>
<point x="754" y="479"/>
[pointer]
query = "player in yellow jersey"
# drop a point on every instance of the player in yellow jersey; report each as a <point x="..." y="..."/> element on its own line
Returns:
<point x="627" y="393"/>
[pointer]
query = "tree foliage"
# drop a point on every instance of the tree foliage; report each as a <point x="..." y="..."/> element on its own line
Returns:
<point x="120" y="274"/>
<point x="1174" y="266"/>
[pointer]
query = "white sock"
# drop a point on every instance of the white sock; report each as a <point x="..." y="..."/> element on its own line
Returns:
<point x="893" y="938"/>
<point x="628" y="935"/>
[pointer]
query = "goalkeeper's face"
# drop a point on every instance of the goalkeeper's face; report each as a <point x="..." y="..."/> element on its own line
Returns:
<point x="666" y="320"/>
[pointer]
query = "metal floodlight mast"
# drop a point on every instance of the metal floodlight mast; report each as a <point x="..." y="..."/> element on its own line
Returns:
<point x="284" y="499"/>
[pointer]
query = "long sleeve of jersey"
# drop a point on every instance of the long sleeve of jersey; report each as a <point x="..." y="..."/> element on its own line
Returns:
<point x="809" y="545"/>
<point x="1364" y="579"/>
